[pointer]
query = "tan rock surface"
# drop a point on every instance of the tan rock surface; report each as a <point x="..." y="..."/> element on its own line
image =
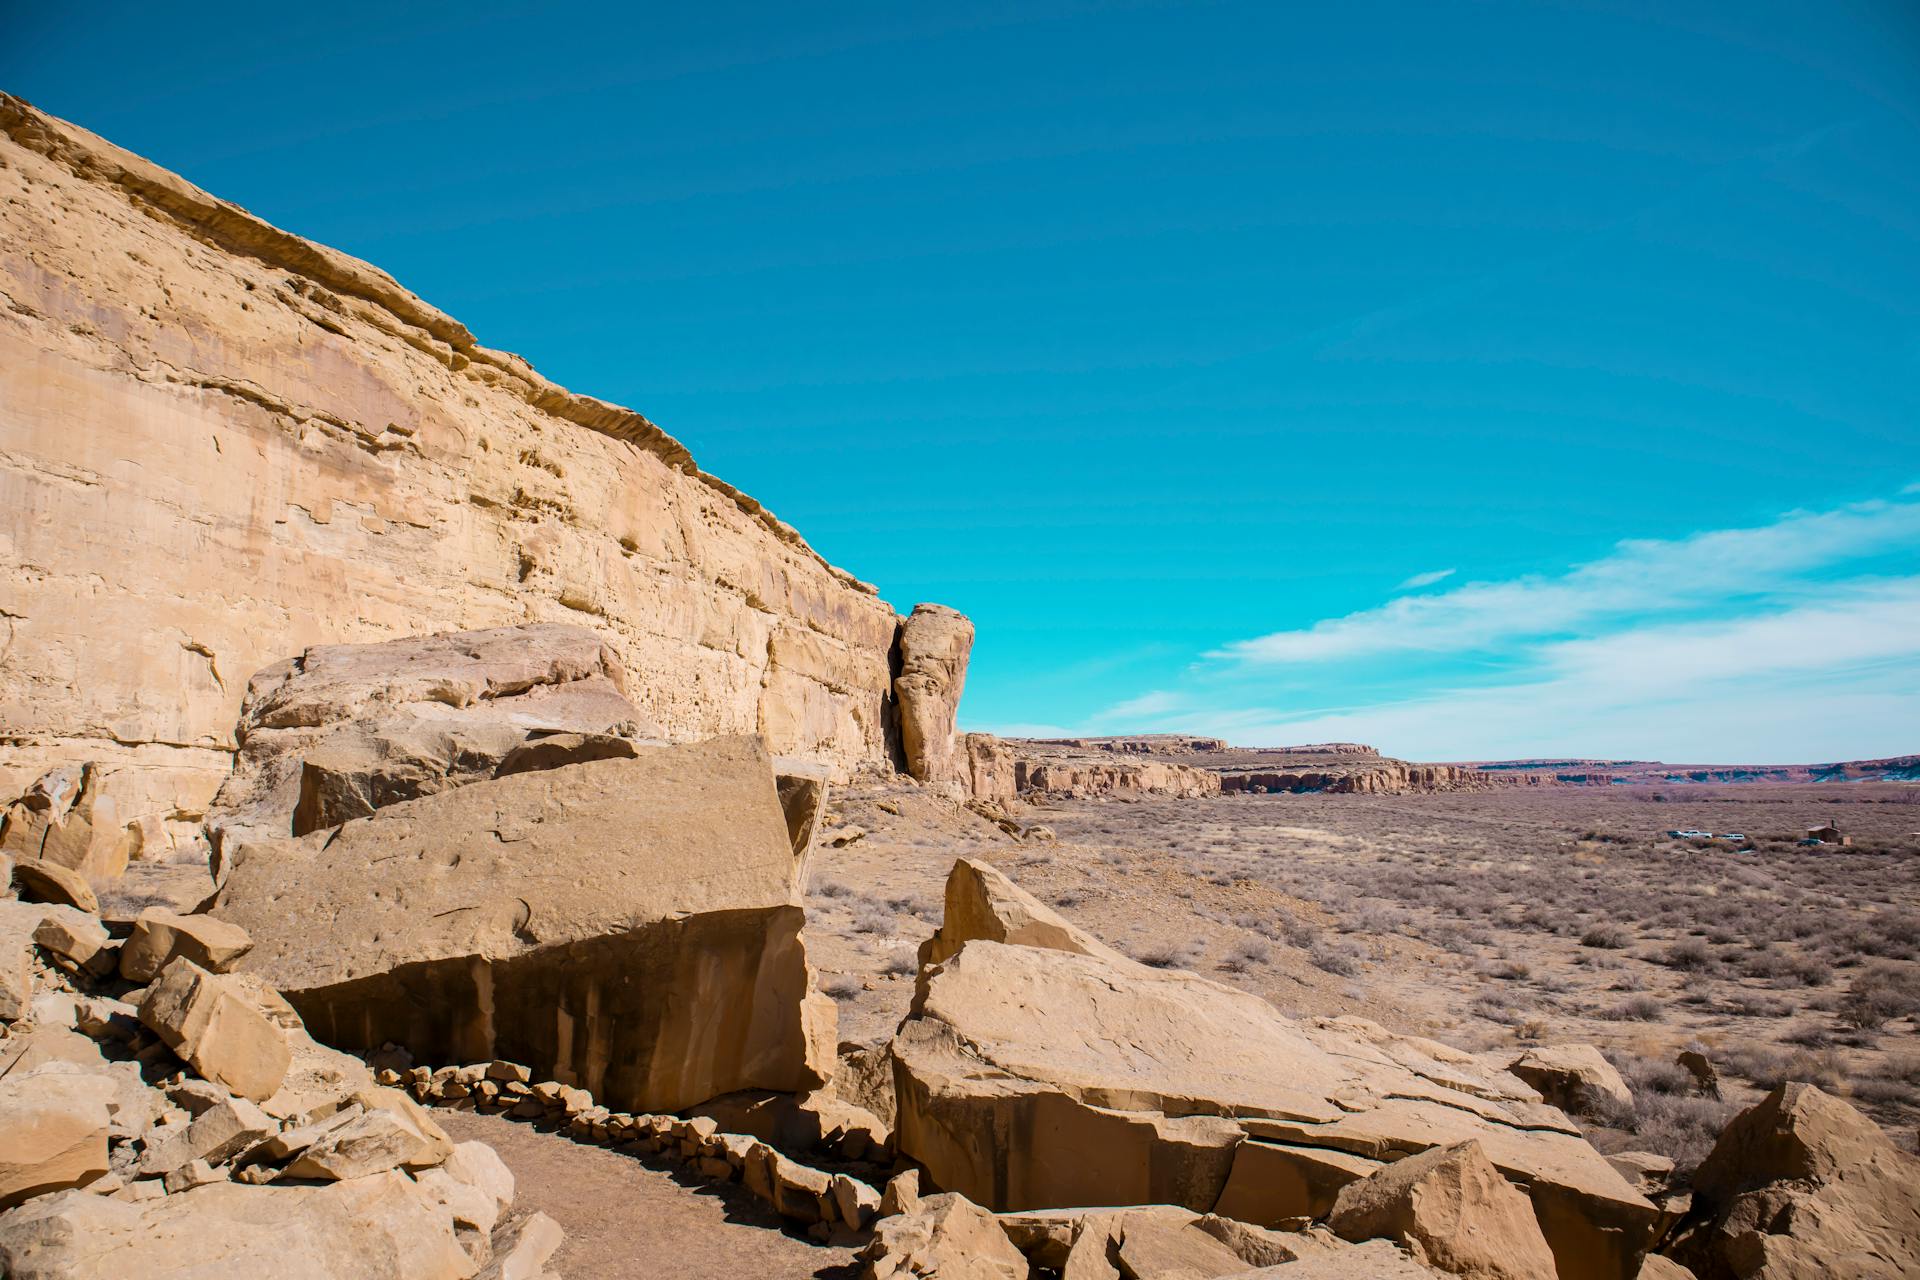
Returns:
<point x="946" y="1236"/>
<point x="159" y="935"/>
<point x="384" y="1227"/>
<point x="1799" y="1186"/>
<point x="194" y="398"/>
<point x="1004" y="769"/>
<point x="338" y="731"/>
<point x="623" y="925"/>
<point x="1130" y="1085"/>
<point x="982" y="903"/>
<point x="1453" y="1210"/>
<point x="53" y="1132"/>
<point x="69" y="816"/>
<point x="935" y="643"/>
<point x="208" y="1021"/>
<point x="1577" y="1078"/>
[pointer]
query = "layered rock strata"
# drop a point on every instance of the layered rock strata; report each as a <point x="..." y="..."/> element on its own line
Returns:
<point x="935" y="644"/>
<point x="221" y="444"/>
<point x="1000" y="770"/>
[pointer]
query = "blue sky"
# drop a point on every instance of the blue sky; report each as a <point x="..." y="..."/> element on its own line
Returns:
<point x="1473" y="379"/>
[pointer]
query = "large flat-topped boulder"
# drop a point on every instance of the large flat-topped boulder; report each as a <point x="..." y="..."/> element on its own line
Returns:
<point x="339" y="731"/>
<point x="538" y="676"/>
<point x="1031" y="1077"/>
<point x="628" y="925"/>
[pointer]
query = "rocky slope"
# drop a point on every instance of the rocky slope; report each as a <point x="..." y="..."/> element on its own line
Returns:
<point x="220" y="444"/>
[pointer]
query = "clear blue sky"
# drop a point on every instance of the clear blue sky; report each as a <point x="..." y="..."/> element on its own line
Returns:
<point x="1183" y="346"/>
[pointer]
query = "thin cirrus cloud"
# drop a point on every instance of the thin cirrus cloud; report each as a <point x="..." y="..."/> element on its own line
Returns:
<point x="1639" y="578"/>
<point x="1829" y="680"/>
<point x="1419" y="580"/>
<point x="1794" y="640"/>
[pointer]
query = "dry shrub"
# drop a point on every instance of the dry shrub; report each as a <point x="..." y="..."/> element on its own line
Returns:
<point x="1683" y="1127"/>
<point x="1690" y="954"/>
<point x="1339" y="958"/>
<point x="1640" y="1008"/>
<point x="1609" y="937"/>
<point x="1877" y="994"/>
<point x="1170" y="955"/>
<point x="871" y="917"/>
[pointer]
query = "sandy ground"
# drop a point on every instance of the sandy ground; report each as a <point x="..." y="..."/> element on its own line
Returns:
<point x="627" y="1219"/>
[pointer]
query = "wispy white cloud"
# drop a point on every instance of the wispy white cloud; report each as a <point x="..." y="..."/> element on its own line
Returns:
<point x="1832" y="678"/>
<point x="1425" y="579"/>
<point x="1148" y="706"/>
<point x="1640" y="578"/>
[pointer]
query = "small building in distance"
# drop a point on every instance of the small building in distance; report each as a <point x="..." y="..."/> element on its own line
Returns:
<point x="1827" y="834"/>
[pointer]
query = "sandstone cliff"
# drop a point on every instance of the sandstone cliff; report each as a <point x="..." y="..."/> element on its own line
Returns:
<point x="1003" y="769"/>
<point x="221" y="444"/>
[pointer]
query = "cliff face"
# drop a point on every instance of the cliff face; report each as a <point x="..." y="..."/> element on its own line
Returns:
<point x="1001" y="770"/>
<point x="1382" y="777"/>
<point x="220" y="444"/>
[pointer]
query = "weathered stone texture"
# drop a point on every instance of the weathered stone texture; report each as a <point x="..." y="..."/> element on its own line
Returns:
<point x="627" y="925"/>
<point x="935" y="644"/>
<point x="221" y="444"/>
<point x="1053" y="1072"/>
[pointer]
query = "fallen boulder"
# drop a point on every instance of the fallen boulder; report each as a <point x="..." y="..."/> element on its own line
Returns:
<point x="628" y="926"/>
<point x="1029" y="1077"/>
<point x="340" y="731"/>
<point x="1798" y="1186"/>
<point x="216" y="1135"/>
<point x="208" y="1022"/>
<point x="1453" y="1211"/>
<point x="51" y="882"/>
<point x="160" y="935"/>
<point x="68" y="818"/>
<point x="983" y="904"/>
<point x="946" y="1236"/>
<point x="1577" y="1078"/>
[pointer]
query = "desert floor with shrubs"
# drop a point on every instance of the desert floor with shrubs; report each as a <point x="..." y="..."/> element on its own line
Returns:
<point x="1490" y="920"/>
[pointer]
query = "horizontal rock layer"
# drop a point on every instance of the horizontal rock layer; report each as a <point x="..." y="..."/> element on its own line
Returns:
<point x="221" y="444"/>
<point x="1002" y="769"/>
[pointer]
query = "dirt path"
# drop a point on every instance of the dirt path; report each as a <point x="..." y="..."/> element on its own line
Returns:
<point x="630" y="1220"/>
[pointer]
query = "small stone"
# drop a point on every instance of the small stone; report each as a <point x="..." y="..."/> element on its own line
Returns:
<point x="856" y="1203"/>
<point x="902" y="1194"/>
<point x="196" y="1173"/>
<point x="371" y="1143"/>
<point x="74" y="935"/>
